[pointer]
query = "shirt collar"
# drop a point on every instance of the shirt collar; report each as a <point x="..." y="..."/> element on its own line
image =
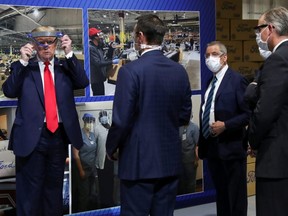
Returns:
<point x="221" y="73"/>
<point x="279" y="44"/>
<point x="151" y="49"/>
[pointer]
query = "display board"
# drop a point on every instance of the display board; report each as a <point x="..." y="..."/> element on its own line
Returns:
<point x="199" y="19"/>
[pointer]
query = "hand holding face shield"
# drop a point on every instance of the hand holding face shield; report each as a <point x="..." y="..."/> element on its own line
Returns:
<point x="44" y="39"/>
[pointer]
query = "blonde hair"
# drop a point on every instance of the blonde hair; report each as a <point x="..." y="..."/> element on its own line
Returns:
<point x="44" y="29"/>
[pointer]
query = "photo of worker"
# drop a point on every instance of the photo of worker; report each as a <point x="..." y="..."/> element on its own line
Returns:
<point x="104" y="185"/>
<point x="7" y="161"/>
<point x="111" y="45"/>
<point x="95" y="184"/>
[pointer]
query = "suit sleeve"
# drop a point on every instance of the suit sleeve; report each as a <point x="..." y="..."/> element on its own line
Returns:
<point x="272" y="91"/>
<point x="124" y="108"/>
<point x="185" y="113"/>
<point x="77" y="73"/>
<point x="13" y="85"/>
<point x="242" y="118"/>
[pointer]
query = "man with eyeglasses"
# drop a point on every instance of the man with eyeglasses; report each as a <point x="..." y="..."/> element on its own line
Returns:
<point x="43" y="128"/>
<point x="268" y="129"/>
<point x="223" y="117"/>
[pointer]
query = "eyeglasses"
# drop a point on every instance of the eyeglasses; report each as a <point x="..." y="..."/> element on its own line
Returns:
<point x="259" y="28"/>
<point x="213" y="54"/>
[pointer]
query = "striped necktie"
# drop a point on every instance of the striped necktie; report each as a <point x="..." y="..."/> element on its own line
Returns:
<point x="206" y="114"/>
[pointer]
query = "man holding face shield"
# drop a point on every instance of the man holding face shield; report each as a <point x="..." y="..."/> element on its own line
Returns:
<point x="46" y="120"/>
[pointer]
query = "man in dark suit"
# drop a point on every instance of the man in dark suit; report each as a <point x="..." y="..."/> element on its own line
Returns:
<point x="152" y="99"/>
<point x="40" y="150"/>
<point x="222" y="142"/>
<point x="268" y="131"/>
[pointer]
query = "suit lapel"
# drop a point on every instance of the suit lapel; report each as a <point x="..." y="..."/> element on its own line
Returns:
<point x="37" y="79"/>
<point x="224" y="83"/>
<point x="57" y="74"/>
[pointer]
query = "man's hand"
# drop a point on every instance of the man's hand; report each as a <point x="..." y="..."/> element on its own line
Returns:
<point x="26" y="52"/>
<point x="217" y="128"/>
<point x="113" y="157"/>
<point x="66" y="44"/>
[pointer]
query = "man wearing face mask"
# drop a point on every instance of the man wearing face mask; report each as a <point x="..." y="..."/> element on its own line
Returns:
<point x="223" y="118"/>
<point x="251" y="93"/>
<point x="85" y="188"/>
<point x="152" y="100"/>
<point x="98" y="63"/>
<point x="104" y="166"/>
<point x="268" y="131"/>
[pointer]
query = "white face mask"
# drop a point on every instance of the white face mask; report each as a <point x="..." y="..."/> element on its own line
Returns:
<point x="262" y="44"/>
<point x="264" y="53"/>
<point x="104" y="120"/>
<point x="213" y="63"/>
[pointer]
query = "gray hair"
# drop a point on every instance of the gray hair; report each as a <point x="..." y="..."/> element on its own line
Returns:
<point x="278" y="18"/>
<point x="221" y="46"/>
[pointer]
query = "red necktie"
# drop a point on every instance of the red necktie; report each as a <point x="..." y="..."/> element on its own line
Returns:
<point x="50" y="100"/>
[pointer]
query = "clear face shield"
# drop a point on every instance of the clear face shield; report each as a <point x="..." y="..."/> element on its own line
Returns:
<point x="89" y="124"/>
<point x="51" y="38"/>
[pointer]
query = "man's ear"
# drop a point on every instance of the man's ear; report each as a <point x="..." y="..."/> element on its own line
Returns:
<point x="142" y="38"/>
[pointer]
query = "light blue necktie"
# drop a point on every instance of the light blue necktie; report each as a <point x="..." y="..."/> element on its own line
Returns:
<point x="206" y="114"/>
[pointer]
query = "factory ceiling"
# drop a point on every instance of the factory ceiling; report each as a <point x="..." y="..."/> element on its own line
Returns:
<point x="17" y="21"/>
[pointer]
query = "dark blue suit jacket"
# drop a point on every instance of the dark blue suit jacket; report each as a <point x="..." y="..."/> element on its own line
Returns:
<point x="152" y="99"/>
<point x="25" y="84"/>
<point x="231" y="109"/>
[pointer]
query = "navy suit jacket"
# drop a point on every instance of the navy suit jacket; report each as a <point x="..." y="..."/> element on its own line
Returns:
<point x="234" y="112"/>
<point x="25" y="83"/>
<point x="152" y="99"/>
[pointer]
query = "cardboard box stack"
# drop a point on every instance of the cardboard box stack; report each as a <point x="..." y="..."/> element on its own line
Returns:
<point x="239" y="37"/>
<point x="243" y="55"/>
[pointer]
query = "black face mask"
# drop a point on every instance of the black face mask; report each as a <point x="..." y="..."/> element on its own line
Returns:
<point x="100" y="42"/>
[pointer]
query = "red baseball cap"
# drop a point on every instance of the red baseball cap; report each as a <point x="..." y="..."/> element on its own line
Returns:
<point x="93" y="32"/>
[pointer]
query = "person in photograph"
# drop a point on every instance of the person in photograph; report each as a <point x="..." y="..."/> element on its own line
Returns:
<point x="104" y="167"/>
<point x="98" y="63"/>
<point x="85" y="186"/>
<point x="189" y="135"/>
<point x="152" y="100"/>
<point x="268" y="131"/>
<point x="46" y="120"/>
<point x="2" y="135"/>
<point x="223" y="118"/>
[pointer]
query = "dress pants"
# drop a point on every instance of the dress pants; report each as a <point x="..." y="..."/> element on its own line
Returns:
<point x="152" y="197"/>
<point x="229" y="178"/>
<point x="98" y="88"/>
<point x="271" y="197"/>
<point x="39" y="176"/>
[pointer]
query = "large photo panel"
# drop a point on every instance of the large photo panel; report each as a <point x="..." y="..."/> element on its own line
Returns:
<point x="181" y="43"/>
<point x="95" y="184"/>
<point x="84" y="15"/>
